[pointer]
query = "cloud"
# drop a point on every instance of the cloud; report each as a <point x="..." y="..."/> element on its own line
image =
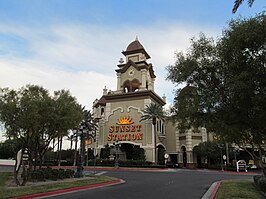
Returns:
<point x="86" y="86"/>
<point x="83" y="57"/>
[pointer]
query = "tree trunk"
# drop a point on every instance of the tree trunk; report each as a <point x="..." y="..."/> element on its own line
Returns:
<point x="25" y="173"/>
<point x="60" y="140"/>
<point x="71" y="142"/>
<point x="16" y="173"/>
<point x="75" y="152"/>
<point x="261" y="166"/>
<point x="258" y="160"/>
<point x="155" y="145"/>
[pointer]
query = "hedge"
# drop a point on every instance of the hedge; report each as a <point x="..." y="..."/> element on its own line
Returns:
<point x="124" y="163"/>
<point x="48" y="173"/>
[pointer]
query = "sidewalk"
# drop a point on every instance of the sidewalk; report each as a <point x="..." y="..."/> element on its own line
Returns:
<point x="210" y="194"/>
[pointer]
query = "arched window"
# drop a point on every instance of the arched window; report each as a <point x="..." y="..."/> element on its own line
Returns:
<point x="126" y="86"/>
<point x="131" y="86"/>
<point x="135" y="85"/>
<point x="102" y="111"/>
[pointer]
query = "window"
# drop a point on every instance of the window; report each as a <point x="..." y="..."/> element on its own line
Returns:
<point x="102" y="111"/>
<point x="131" y="86"/>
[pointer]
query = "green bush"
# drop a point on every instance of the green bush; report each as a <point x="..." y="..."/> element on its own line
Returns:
<point x="124" y="163"/>
<point x="69" y="173"/>
<point x="38" y="175"/>
<point x="260" y="182"/>
<point x="50" y="174"/>
<point x="256" y="179"/>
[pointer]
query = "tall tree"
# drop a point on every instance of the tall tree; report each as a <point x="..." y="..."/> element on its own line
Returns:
<point x="153" y="112"/>
<point x="185" y="108"/>
<point x="209" y="150"/>
<point x="230" y="79"/>
<point x="67" y="114"/>
<point x="34" y="118"/>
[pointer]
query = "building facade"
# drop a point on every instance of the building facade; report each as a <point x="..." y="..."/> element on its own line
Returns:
<point x="119" y="113"/>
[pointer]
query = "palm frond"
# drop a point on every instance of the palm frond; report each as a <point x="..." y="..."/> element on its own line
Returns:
<point x="237" y="3"/>
<point x="152" y="111"/>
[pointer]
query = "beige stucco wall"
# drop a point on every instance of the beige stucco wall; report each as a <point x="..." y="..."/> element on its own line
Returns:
<point x="126" y="76"/>
<point x="171" y="137"/>
<point x="127" y="108"/>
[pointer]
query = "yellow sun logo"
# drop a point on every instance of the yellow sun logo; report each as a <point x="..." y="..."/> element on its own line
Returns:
<point x="125" y="120"/>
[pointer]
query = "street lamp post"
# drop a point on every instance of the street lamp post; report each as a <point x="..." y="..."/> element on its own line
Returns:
<point x="117" y="145"/>
<point x="79" y="173"/>
<point x="83" y="133"/>
<point x="221" y="152"/>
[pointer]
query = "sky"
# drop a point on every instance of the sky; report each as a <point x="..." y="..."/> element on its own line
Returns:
<point x="76" y="44"/>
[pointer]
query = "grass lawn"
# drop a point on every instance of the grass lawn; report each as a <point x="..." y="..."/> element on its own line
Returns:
<point x="243" y="189"/>
<point x="6" y="192"/>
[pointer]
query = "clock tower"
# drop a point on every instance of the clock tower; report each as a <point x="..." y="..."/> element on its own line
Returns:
<point x="135" y="74"/>
<point x="120" y="111"/>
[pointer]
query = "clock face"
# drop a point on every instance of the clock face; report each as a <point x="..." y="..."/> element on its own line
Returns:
<point x="131" y="72"/>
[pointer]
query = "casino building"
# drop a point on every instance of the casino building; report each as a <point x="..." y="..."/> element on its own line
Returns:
<point x="119" y="113"/>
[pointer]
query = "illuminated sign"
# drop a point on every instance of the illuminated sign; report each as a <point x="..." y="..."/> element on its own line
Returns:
<point x="125" y="130"/>
<point x="125" y="120"/>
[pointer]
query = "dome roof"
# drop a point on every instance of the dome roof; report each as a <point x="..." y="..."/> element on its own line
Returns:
<point x="134" y="47"/>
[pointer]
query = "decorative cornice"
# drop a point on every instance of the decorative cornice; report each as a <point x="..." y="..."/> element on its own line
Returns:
<point x="136" y="51"/>
<point x="138" y="65"/>
<point x="138" y="94"/>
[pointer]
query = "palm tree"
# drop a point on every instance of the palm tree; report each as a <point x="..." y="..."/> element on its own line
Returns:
<point x="75" y="137"/>
<point x="239" y="2"/>
<point x="153" y="112"/>
<point x="89" y="123"/>
<point x="87" y="129"/>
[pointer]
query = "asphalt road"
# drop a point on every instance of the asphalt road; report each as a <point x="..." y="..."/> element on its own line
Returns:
<point x="176" y="184"/>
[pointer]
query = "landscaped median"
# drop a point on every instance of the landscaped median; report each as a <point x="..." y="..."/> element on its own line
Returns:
<point x="51" y="187"/>
<point x="244" y="189"/>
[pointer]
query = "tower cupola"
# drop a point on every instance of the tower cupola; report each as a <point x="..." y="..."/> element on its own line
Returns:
<point x="135" y="74"/>
<point x="136" y="52"/>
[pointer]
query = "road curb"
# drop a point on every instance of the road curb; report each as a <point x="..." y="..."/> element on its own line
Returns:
<point x="210" y="194"/>
<point x="70" y="190"/>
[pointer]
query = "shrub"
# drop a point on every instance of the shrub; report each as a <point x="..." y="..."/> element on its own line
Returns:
<point x="69" y="173"/>
<point x="50" y="174"/>
<point x="260" y="182"/>
<point x="125" y="163"/>
<point x="256" y="179"/>
<point x="37" y="175"/>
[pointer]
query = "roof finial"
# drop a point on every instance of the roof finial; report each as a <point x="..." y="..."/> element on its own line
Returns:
<point x="137" y="38"/>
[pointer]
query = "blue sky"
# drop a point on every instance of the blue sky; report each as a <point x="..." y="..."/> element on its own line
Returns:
<point x="121" y="12"/>
<point x="76" y="44"/>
